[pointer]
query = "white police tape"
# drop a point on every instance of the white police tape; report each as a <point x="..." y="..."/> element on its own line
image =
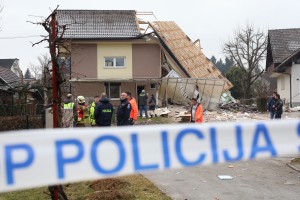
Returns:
<point x="43" y="157"/>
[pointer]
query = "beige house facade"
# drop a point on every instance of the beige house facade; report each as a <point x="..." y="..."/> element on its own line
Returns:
<point x="109" y="53"/>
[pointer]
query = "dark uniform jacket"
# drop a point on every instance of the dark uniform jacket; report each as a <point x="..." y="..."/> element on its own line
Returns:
<point x="123" y="113"/>
<point x="103" y="112"/>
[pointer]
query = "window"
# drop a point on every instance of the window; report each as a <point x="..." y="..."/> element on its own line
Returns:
<point x="113" y="90"/>
<point x="152" y="86"/>
<point x="114" y="62"/>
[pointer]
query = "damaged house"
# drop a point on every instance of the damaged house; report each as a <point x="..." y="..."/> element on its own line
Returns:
<point x="283" y="64"/>
<point x="107" y="52"/>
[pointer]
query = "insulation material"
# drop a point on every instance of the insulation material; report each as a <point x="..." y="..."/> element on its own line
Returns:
<point x="175" y="89"/>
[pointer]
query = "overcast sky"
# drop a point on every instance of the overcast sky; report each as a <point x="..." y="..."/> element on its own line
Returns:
<point x="212" y="21"/>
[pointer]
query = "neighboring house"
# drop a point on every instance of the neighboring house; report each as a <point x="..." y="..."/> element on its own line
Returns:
<point x="283" y="63"/>
<point x="9" y="82"/>
<point x="13" y="65"/>
<point x="109" y="54"/>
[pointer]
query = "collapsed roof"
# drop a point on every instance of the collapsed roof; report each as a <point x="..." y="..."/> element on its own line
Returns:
<point x="185" y="53"/>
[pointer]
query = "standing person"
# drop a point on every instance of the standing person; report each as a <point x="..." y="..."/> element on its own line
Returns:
<point x="123" y="113"/>
<point x="143" y="103"/>
<point x="152" y="104"/>
<point x="196" y="112"/>
<point x="278" y="106"/>
<point x="92" y="110"/>
<point x="68" y="104"/>
<point x="134" y="109"/>
<point x="82" y="113"/>
<point x="270" y="105"/>
<point x="103" y="111"/>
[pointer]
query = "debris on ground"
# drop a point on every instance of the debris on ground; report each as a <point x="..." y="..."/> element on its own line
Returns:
<point x="225" y="177"/>
<point x="238" y="107"/>
<point x="294" y="109"/>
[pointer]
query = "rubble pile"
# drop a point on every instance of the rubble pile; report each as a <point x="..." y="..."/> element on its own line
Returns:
<point x="294" y="109"/>
<point x="238" y="107"/>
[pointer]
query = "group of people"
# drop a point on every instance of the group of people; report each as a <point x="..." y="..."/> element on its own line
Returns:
<point x="101" y="111"/>
<point x="275" y="105"/>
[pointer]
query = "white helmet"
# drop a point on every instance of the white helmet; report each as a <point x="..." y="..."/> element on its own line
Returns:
<point x="80" y="99"/>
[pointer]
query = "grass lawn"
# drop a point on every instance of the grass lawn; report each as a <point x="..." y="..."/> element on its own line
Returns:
<point x="124" y="188"/>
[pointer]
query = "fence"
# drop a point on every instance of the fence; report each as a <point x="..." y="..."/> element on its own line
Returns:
<point x="21" y="109"/>
<point x="20" y="116"/>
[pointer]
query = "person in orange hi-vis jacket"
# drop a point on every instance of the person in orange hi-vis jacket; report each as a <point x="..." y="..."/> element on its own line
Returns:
<point x="196" y="112"/>
<point x="134" y="109"/>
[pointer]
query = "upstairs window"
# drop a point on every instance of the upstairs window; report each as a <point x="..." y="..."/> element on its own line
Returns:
<point x="114" y="62"/>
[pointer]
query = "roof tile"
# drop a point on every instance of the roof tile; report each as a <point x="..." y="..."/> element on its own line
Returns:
<point x="283" y="43"/>
<point x="98" y="24"/>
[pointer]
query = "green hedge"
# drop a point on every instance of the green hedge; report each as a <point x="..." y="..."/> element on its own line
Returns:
<point x="20" y="122"/>
<point x="261" y="103"/>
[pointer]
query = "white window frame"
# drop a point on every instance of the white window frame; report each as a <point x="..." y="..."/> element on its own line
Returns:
<point x="114" y="62"/>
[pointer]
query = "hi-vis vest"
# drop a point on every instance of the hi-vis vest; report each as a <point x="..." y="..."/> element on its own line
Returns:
<point x="69" y="105"/>
<point x="92" y="117"/>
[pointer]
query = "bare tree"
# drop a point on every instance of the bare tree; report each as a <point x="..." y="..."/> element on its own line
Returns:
<point x="247" y="49"/>
<point x="53" y="37"/>
<point x="43" y="66"/>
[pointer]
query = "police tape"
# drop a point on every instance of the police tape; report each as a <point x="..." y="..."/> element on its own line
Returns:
<point x="35" y="158"/>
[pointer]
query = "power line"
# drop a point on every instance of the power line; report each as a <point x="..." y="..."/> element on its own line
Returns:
<point x="19" y="37"/>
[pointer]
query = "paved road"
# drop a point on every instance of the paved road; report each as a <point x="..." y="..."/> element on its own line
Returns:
<point x="264" y="179"/>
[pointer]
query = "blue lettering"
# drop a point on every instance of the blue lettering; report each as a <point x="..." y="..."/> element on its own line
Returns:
<point x="61" y="160"/>
<point x="136" y="156"/>
<point x="213" y="144"/>
<point x="166" y="153"/>
<point x="11" y="166"/>
<point x="298" y="130"/>
<point x="179" y="150"/>
<point x="239" y="143"/>
<point x="262" y="130"/>
<point x="94" y="159"/>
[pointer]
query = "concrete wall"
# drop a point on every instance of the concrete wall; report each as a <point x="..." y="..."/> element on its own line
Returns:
<point x="146" y="61"/>
<point x="114" y="50"/>
<point x="295" y="71"/>
<point x="284" y="80"/>
<point x="89" y="89"/>
<point x="84" y="60"/>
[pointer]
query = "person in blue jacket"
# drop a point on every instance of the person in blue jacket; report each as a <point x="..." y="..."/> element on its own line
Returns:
<point x="271" y="103"/>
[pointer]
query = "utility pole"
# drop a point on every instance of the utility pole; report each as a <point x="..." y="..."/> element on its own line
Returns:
<point x="54" y="70"/>
<point x="54" y="80"/>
